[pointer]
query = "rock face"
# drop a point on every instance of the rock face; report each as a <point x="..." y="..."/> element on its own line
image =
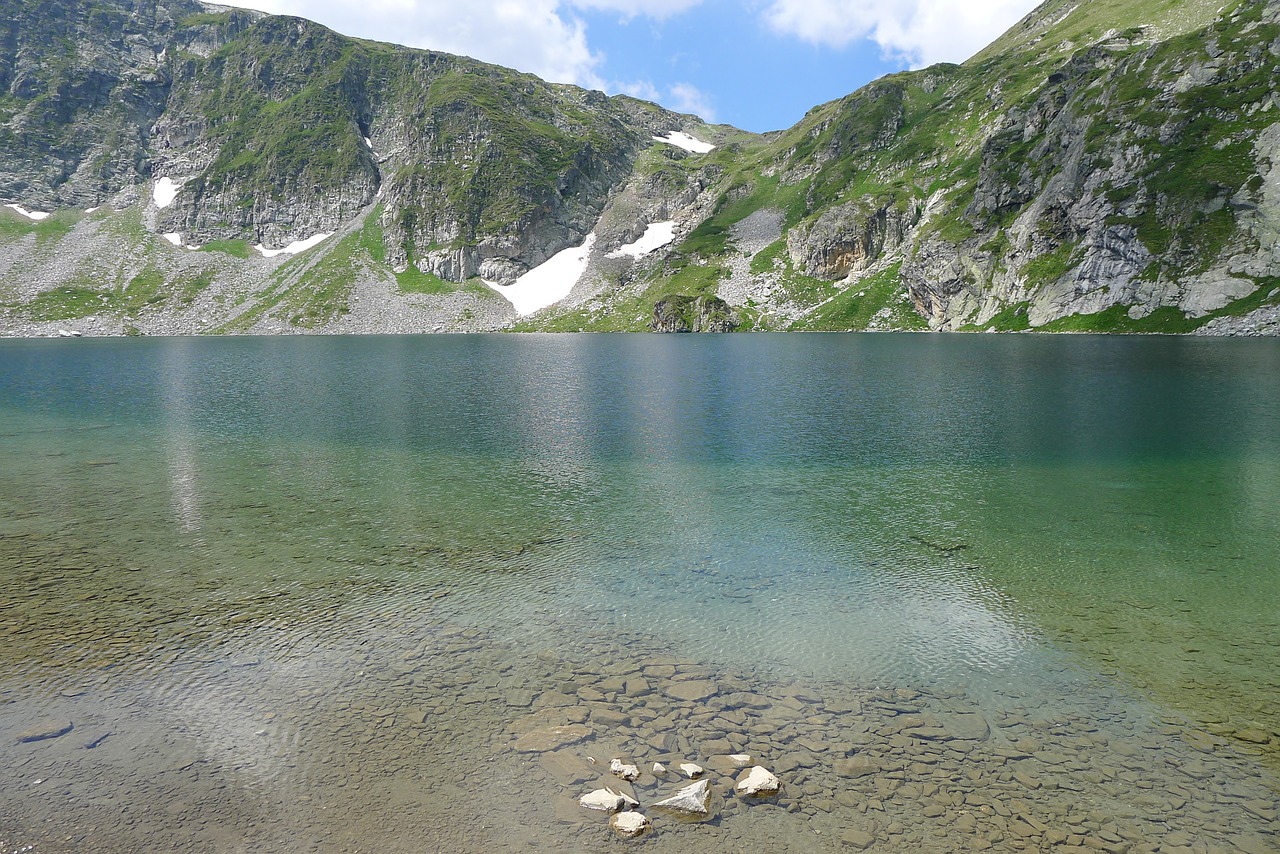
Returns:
<point x="693" y="314"/>
<point x="277" y="129"/>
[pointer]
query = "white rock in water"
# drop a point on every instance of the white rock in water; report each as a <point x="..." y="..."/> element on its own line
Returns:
<point x="659" y="769"/>
<point x="692" y="770"/>
<point x="630" y="825"/>
<point x="691" y="800"/>
<point x="603" y="800"/>
<point x="742" y="760"/>
<point x="630" y="773"/>
<point x="758" y="783"/>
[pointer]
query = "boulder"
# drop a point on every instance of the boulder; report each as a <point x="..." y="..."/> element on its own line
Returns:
<point x="694" y="800"/>
<point x="630" y="825"/>
<point x="692" y="770"/>
<point x="626" y="771"/>
<point x="603" y="800"/>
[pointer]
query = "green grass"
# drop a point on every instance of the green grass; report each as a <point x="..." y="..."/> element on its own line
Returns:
<point x="1116" y="320"/>
<point x="1012" y="318"/>
<point x="856" y="308"/>
<point x="69" y="302"/>
<point x="1052" y="266"/>
<point x="235" y="247"/>
<point x="14" y="226"/>
<point x="415" y="281"/>
<point x="86" y="295"/>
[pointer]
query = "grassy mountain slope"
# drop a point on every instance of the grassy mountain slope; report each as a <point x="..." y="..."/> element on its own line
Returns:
<point x="1106" y="165"/>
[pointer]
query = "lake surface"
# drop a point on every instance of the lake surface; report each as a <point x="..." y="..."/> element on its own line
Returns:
<point x="414" y="594"/>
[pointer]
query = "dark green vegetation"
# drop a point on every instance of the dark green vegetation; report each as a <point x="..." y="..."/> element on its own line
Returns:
<point x="86" y="296"/>
<point x="1101" y="167"/>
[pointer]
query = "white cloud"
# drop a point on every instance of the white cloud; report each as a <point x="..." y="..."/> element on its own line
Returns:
<point x="639" y="8"/>
<point x="642" y="89"/>
<point x="919" y="32"/>
<point x="686" y="98"/>
<point x="530" y="35"/>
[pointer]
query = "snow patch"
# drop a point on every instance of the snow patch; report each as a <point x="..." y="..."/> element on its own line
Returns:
<point x="548" y="283"/>
<point x="174" y="237"/>
<point x="688" y="143"/>
<point x="90" y="210"/>
<point x="656" y="236"/>
<point x="369" y="143"/>
<point x="35" y="215"/>
<point x="164" y="192"/>
<point x="295" y="247"/>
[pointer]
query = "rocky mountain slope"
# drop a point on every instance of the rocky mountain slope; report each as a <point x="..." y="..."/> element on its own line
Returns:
<point x="1108" y="165"/>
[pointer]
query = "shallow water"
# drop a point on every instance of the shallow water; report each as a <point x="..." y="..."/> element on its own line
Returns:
<point x="313" y="590"/>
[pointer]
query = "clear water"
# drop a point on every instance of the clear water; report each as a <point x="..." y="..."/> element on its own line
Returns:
<point x="312" y="589"/>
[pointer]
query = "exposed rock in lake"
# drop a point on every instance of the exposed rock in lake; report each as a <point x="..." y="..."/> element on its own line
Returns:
<point x="603" y="800"/>
<point x="759" y="782"/>
<point x="692" y="770"/>
<point x="630" y="825"/>
<point x="625" y="770"/>
<point x="694" y="800"/>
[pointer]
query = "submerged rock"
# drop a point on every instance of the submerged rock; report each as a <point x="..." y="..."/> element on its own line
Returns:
<point x="694" y="800"/>
<point x="630" y="825"/>
<point x="45" y="730"/>
<point x="552" y="738"/>
<point x="693" y="691"/>
<point x="858" y="839"/>
<point x="759" y="782"/>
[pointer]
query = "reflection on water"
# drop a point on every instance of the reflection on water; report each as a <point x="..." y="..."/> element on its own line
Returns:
<point x="292" y="587"/>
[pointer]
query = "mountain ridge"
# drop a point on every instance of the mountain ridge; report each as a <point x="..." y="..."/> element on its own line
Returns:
<point x="1073" y="176"/>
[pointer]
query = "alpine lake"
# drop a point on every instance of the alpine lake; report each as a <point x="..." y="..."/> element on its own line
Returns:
<point x="958" y="593"/>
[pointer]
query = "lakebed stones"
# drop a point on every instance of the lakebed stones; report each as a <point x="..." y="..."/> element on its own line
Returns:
<point x="759" y="782"/>
<point x="630" y="825"/>
<point x="45" y="730"/>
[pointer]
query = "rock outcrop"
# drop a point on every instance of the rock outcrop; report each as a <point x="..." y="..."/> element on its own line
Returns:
<point x="693" y="314"/>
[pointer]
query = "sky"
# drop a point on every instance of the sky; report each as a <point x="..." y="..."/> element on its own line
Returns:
<point x="756" y="64"/>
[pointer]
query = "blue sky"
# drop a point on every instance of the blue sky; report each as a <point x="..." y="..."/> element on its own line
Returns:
<point x="756" y="64"/>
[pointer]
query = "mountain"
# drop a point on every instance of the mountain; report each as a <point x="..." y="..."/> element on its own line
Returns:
<point x="1106" y="165"/>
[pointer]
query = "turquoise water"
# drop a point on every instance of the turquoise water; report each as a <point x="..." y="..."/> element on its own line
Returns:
<point x="256" y="563"/>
